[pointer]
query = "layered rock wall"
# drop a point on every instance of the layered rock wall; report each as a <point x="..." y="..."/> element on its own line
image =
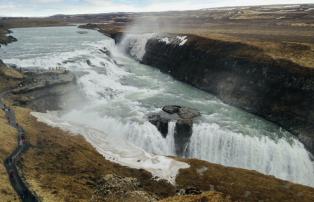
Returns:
<point x="243" y="76"/>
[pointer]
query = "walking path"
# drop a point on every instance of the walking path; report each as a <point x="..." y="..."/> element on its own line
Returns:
<point x="10" y="163"/>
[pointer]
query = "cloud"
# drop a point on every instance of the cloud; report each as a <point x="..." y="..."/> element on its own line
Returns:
<point x="46" y="1"/>
<point x="52" y="7"/>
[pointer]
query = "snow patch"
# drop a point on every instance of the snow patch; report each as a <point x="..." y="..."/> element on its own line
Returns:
<point x="165" y="40"/>
<point x="183" y="40"/>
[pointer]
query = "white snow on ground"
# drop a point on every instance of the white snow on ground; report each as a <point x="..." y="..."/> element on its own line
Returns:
<point x="183" y="40"/>
<point x="165" y="40"/>
<point x="118" y="150"/>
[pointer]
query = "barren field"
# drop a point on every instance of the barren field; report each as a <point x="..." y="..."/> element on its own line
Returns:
<point x="280" y="31"/>
<point x="60" y="166"/>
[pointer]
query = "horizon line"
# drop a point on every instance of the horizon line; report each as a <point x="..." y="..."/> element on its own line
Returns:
<point x="163" y="11"/>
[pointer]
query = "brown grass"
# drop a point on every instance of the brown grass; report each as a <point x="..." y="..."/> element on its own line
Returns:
<point x="10" y="73"/>
<point x="204" y="197"/>
<point x="241" y="184"/>
<point x="9" y="77"/>
<point x="7" y="145"/>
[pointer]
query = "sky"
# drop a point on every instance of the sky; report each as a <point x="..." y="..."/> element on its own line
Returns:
<point x="40" y="8"/>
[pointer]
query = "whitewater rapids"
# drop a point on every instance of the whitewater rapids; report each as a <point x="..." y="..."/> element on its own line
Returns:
<point x="119" y="93"/>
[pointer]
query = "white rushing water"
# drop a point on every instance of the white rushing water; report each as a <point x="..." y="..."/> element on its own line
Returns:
<point x="120" y="92"/>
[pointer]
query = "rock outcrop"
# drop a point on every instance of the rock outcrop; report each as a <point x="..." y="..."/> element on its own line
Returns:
<point x="5" y="38"/>
<point x="243" y="76"/>
<point x="183" y="118"/>
<point x="43" y="91"/>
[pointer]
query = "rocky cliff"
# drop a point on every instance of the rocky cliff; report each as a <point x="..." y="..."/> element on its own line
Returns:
<point x="39" y="90"/>
<point x="5" y="37"/>
<point x="241" y="75"/>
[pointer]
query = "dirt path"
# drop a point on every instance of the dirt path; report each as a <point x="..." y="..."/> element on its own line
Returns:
<point x="10" y="163"/>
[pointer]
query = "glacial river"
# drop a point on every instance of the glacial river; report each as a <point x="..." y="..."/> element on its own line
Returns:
<point x="119" y="93"/>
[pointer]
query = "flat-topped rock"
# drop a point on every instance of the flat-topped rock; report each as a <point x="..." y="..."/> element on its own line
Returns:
<point x="182" y="112"/>
<point x="183" y="116"/>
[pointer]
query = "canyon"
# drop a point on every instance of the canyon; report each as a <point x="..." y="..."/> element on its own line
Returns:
<point x="167" y="113"/>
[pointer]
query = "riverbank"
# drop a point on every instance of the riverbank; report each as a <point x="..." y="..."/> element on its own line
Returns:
<point x="8" y="23"/>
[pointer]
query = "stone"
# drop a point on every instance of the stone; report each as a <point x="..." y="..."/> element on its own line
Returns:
<point x="171" y="109"/>
<point x="183" y="116"/>
<point x="160" y="122"/>
<point x="182" y="134"/>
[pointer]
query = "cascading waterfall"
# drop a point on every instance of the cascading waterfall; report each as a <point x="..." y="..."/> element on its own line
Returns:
<point x="135" y="44"/>
<point x="279" y="158"/>
<point x="120" y="93"/>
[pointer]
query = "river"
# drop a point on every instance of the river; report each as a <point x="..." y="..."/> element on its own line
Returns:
<point x="119" y="93"/>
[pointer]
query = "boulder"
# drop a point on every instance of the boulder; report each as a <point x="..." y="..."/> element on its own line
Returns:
<point x="183" y="116"/>
<point x="182" y="134"/>
<point x="160" y="122"/>
<point x="171" y="109"/>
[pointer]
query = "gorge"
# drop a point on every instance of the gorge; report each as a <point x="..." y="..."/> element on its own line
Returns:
<point x="118" y="93"/>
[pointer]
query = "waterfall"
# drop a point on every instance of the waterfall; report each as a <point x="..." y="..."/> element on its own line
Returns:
<point x="120" y="92"/>
<point x="281" y="158"/>
<point x="147" y="137"/>
<point x="289" y="161"/>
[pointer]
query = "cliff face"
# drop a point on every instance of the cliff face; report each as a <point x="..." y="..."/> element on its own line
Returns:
<point x="243" y="76"/>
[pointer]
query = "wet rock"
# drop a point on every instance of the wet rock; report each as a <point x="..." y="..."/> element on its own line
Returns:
<point x="88" y="62"/>
<point x="105" y="51"/>
<point x="189" y="191"/>
<point x="182" y="134"/>
<point x="172" y="109"/>
<point x="11" y="39"/>
<point x="183" y="116"/>
<point x="160" y="122"/>
<point x="192" y="191"/>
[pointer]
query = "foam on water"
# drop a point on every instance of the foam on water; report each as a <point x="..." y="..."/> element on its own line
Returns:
<point x="121" y="92"/>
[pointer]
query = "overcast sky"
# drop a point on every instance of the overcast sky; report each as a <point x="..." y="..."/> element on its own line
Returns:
<point x="52" y="7"/>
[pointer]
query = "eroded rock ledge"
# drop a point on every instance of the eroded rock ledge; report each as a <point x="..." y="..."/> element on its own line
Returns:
<point x="40" y="90"/>
<point x="183" y="118"/>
